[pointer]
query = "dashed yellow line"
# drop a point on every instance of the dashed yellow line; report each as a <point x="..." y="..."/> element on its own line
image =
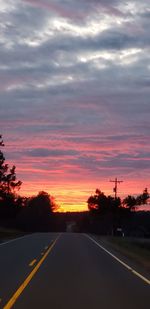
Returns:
<point x="32" y="263"/>
<point x="14" y="298"/>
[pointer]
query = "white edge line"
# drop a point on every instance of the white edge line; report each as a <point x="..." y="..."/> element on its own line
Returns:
<point x="121" y="262"/>
<point x="14" y="239"/>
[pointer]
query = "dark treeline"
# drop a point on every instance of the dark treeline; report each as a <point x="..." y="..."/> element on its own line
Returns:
<point x="10" y="201"/>
<point x="106" y="215"/>
<point x="27" y="213"/>
<point x="113" y="216"/>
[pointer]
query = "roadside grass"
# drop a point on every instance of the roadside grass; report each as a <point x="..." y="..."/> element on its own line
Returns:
<point x="134" y="248"/>
<point x="8" y="234"/>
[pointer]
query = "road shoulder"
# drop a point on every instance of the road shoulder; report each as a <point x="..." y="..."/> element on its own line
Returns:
<point x="126" y="256"/>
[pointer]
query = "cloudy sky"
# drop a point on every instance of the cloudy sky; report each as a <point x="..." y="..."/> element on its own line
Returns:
<point x="75" y="95"/>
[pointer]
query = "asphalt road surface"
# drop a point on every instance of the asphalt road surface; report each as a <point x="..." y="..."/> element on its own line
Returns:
<point x="67" y="271"/>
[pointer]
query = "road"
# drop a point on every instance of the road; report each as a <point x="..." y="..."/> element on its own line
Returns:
<point x="72" y="272"/>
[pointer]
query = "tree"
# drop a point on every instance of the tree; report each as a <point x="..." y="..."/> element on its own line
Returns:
<point x="3" y="168"/>
<point x="130" y="202"/>
<point x="43" y="204"/>
<point x="9" y="183"/>
<point x="8" y="187"/>
<point x="37" y="215"/>
<point x="8" y="178"/>
<point x="97" y="202"/>
<point x="143" y="198"/>
<point x="100" y="203"/>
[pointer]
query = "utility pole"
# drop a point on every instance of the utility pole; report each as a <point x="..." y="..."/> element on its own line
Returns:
<point x="115" y="189"/>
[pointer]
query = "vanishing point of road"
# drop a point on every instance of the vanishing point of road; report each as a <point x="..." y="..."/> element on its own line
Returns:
<point x="68" y="271"/>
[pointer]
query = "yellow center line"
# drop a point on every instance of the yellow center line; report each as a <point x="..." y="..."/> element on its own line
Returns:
<point x="15" y="296"/>
<point x="32" y="263"/>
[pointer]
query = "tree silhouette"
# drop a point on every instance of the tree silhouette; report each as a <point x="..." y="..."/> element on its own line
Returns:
<point x="100" y="203"/>
<point x="143" y="198"/>
<point x="3" y="167"/>
<point x="8" y="178"/>
<point x="132" y="202"/>
<point x="37" y="215"/>
<point x="43" y="204"/>
<point x="8" y="187"/>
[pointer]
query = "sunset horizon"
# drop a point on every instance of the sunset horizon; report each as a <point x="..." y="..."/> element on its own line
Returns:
<point x="78" y="198"/>
<point x="75" y="96"/>
<point x="74" y="154"/>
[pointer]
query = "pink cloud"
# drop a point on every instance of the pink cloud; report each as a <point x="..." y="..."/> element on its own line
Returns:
<point x="111" y="10"/>
<point x="10" y="81"/>
<point x="51" y="6"/>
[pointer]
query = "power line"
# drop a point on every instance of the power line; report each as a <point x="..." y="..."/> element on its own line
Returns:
<point x="115" y="189"/>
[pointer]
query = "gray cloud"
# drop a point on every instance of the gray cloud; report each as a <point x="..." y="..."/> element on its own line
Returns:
<point x="42" y="152"/>
<point x="72" y="74"/>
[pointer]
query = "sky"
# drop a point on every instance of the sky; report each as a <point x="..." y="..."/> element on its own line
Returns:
<point x="75" y="96"/>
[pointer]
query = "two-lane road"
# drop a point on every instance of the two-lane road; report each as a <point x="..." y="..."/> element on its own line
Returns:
<point x="74" y="273"/>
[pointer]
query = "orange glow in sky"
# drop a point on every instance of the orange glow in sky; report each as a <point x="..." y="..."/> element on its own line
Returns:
<point x="73" y="197"/>
<point x="71" y="172"/>
<point x="74" y="97"/>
